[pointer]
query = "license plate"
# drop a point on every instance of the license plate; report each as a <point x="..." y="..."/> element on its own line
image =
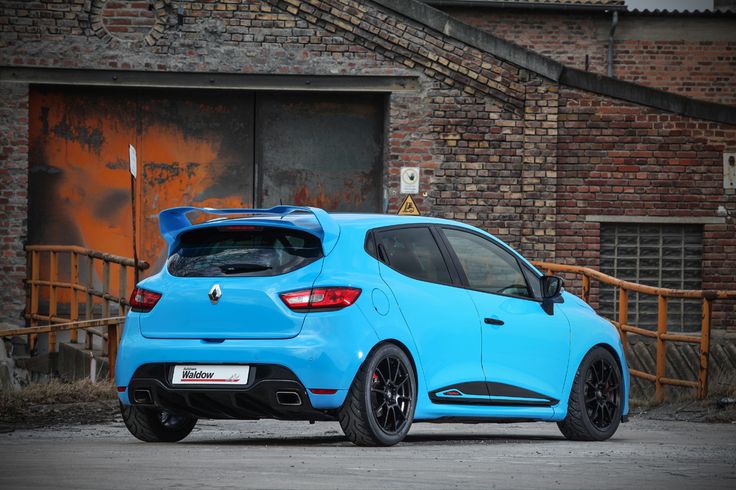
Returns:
<point x="210" y="375"/>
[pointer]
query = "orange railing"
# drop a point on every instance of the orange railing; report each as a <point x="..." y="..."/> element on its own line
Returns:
<point x="104" y="305"/>
<point x="61" y="278"/>
<point x="661" y="334"/>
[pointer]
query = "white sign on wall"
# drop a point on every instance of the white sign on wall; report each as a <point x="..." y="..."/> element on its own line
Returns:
<point x="409" y="180"/>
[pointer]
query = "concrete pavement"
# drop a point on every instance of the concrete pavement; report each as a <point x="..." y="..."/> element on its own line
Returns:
<point x="644" y="453"/>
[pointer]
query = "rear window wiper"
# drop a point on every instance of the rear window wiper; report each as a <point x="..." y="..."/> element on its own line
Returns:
<point x="240" y="268"/>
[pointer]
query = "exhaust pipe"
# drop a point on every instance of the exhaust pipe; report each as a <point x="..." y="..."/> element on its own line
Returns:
<point x="143" y="397"/>
<point x="289" y="398"/>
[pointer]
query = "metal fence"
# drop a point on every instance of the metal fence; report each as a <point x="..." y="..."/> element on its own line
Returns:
<point x="661" y="334"/>
<point x="75" y="276"/>
<point x="75" y="289"/>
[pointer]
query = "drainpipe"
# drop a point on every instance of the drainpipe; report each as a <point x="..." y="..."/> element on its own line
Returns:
<point x="612" y="32"/>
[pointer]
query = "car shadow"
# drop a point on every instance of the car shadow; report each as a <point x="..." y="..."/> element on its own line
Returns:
<point x="415" y="439"/>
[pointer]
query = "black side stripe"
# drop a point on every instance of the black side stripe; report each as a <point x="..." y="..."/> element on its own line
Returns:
<point x="492" y="389"/>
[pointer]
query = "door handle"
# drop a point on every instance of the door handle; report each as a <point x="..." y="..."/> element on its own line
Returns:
<point x="492" y="321"/>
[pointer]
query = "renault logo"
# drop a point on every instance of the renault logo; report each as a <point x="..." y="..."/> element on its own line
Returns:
<point x="215" y="293"/>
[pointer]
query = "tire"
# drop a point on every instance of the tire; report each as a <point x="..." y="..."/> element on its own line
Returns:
<point x="596" y="399"/>
<point x="153" y="425"/>
<point x="379" y="407"/>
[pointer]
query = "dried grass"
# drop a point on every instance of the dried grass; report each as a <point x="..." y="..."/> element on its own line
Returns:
<point x="13" y="402"/>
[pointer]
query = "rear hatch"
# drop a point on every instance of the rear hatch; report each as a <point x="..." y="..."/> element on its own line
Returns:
<point x="247" y="266"/>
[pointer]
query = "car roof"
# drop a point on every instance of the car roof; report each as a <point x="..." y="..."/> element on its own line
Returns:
<point x="366" y="220"/>
<point x="352" y="221"/>
<point x="355" y="222"/>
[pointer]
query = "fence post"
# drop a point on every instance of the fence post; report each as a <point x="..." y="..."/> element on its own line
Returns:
<point x="623" y="316"/>
<point x="105" y="302"/>
<point x="112" y="349"/>
<point x="73" y="304"/>
<point x="53" y="278"/>
<point x="661" y="347"/>
<point x="704" y="348"/>
<point x="89" y="306"/>
<point x="586" y="289"/>
<point x="122" y="288"/>
<point x="35" y="265"/>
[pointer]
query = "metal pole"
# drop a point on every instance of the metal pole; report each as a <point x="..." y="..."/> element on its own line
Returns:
<point x="704" y="348"/>
<point x="135" y="244"/>
<point x="611" y="34"/>
<point x="623" y="316"/>
<point x="661" y="347"/>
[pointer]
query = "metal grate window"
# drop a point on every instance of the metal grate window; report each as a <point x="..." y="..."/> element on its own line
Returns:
<point x="668" y="256"/>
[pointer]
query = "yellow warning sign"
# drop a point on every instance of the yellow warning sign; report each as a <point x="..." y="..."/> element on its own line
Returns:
<point x="409" y="207"/>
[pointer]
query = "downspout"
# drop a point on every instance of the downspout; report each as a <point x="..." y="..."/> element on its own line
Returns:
<point x="612" y="32"/>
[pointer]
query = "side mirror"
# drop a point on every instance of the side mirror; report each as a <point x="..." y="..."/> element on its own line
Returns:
<point x="551" y="290"/>
<point x="551" y="286"/>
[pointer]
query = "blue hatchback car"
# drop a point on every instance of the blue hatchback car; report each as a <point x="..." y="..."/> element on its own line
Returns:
<point x="375" y="321"/>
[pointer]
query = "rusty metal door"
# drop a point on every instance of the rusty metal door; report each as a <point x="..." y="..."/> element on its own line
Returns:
<point x="198" y="147"/>
<point x="320" y="149"/>
<point x="193" y="147"/>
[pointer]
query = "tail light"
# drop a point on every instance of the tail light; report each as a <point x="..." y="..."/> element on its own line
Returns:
<point x="329" y="298"/>
<point x="143" y="299"/>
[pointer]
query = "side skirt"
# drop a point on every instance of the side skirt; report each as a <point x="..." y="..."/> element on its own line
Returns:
<point x="490" y="394"/>
<point x="476" y="420"/>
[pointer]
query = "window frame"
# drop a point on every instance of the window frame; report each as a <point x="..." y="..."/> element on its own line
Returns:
<point x="461" y="272"/>
<point x="452" y="262"/>
<point x="610" y="263"/>
<point x="373" y="233"/>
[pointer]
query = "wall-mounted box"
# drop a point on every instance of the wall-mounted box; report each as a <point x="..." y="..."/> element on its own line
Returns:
<point x="729" y="170"/>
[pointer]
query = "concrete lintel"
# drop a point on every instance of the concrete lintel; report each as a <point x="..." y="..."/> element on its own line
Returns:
<point x="678" y="220"/>
<point x="223" y="81"/>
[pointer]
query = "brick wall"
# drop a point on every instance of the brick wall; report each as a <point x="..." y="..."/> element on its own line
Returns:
<point x="618" y="159"/>
<point x="693" y="56"/>
<point x="447" y="127"/>
<point x="498" y="147"/>
<point x="13" y="199"/>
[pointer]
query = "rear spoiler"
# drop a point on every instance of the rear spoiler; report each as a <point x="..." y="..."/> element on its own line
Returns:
<point x="173" y="220"/>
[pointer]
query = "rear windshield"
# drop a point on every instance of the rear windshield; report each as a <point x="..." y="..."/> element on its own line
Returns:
<point x="242" y="251"/>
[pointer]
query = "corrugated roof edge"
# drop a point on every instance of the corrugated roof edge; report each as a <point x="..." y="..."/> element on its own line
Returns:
<point x="557" y="72"/>
<point x="584" y="7"/>
<point x="727" y="12"/>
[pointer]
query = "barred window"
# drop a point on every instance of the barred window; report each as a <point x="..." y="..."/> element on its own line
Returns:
<point x="662" y="255"/>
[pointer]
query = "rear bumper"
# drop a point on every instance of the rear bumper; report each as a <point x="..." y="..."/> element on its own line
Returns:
<point x="325" y="355"/>
<point x="272" y="392"/>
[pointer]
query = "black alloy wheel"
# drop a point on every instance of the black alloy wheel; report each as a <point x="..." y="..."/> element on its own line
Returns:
<point x="391" y="394"/>
<point x="379" y="406"/>
<point x="173" y="421"/>
<point x="602" y="398"/>
<point x="596" y="400"/>
<point x="149" y="424"/>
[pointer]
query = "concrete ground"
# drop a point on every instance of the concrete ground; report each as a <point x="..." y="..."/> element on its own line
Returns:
<point x="644" y="453"/>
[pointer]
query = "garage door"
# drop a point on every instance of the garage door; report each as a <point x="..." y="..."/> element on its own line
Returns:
<point x="318" y="150"/>
<point x="202" y="148"/>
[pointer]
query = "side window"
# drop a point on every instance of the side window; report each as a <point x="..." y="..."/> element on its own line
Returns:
<point x="487" y="266"/>
<point x="413" y="252"/>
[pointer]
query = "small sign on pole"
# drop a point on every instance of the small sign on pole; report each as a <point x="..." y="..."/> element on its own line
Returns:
<point x="132" y="155"/>
<point x="133" y="161"/>
<point x="409" y="207"/>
